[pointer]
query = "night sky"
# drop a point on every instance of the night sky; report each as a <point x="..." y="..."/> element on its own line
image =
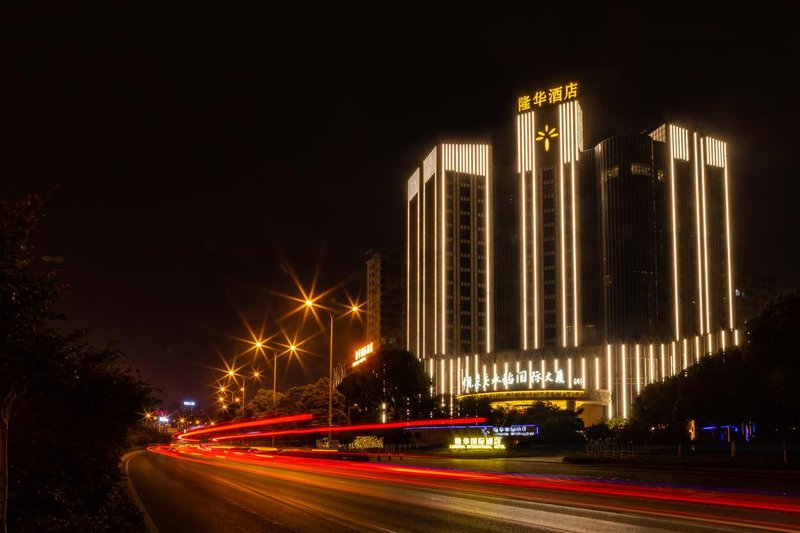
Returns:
<point x="201" y="152"/>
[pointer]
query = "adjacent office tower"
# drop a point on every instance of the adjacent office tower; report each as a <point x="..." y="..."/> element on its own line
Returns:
<point x="697" y="234"/>
<point x="385" y="286"/>
<point x="450" y="265"/>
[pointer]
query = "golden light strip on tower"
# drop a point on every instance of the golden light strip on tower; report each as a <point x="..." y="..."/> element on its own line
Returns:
<point x="609" y="380"/>
<point x="543" y="372"/>
<point x="569" y="372"/>
<point x="697" y="218"/>
<point x="521" y="144"/>
<point x="561" y="233"/>
<point x="731" y="323"/>
<point x="597" y="384"/>
<point x="705" y="242"/>
<point x="530" y="373"/>
<point x="674" y="228"/>
<point x="573" y="159"/>
<point x="535" y="229"/>
<point x="685" y="353"/>
<point x="584" y="384"/>
<point x="458" y="376"/>
<point x="652" y="368"/>
<point x="422" y="313"/>
<point x="624" y="365"/>
<point x="663" y="363"/>
<point x="449" y="155"/>
<point x="638" y="371"/>
<point x="487" y="240"/>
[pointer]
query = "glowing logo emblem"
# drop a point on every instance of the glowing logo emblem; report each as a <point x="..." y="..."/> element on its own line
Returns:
<point x="546" y="135"/>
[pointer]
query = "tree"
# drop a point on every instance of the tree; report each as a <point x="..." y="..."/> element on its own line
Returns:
<point x="772" y="341"/>
<point x="313" y="398"/>
<point x="391" y="377"/>
<point x="263" y="403"/>
<point x="90" y="397"/>
<point x="26" y="306"/>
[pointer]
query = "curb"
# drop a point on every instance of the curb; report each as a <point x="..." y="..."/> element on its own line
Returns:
<point x="125" y="460"/>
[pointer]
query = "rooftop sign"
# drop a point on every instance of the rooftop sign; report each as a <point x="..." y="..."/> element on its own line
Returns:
<point x="549" y="96"/>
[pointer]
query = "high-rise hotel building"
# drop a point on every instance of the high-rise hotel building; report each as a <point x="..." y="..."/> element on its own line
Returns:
<point x="625" y="262"/>
<point x="449" y="252"/>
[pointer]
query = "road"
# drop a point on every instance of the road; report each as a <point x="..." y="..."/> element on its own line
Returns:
<point x="210" y="490"/>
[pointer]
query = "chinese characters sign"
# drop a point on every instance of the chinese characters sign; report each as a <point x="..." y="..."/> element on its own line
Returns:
<point x="477" y="443"/>
<point x="538" y="377"/>
<point x="362" y="353"/>
<point x="553" y="95"/>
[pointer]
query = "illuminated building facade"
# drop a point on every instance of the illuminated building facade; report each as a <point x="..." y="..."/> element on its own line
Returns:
<point x="624" y="272"/>
<point x="449" y="252"/>
<point x="384" y="309"/>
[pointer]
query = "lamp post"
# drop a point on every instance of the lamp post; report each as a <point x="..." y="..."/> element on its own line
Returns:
<point x="354" y="309"/>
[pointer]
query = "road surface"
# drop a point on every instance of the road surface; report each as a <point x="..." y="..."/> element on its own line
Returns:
<point x="211" y="490"/>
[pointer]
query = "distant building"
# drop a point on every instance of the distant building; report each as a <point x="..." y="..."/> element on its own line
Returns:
<point x="385" y="288"/>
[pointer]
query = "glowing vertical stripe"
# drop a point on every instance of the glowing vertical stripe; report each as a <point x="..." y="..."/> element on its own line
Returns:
<point x="609" y="380"/>
<point x="674" y="228"/>
<point x="450" y="375"/>
<point x="487" y="240"/>
<point x="736" y="337"/>
<point x="458" y="376"/>
<point x="699" y="232"/>
<point x="624" y="365"/>
<point x="521" y="144"/>
<point x="442" y="378"/>
<point x="569" y="372"/>
<point x="638" y="371"/>
<point x="448" y="150"/>
<point x="494" y="379"/>
<point x="722" y="339"/>
<point x="652" y="364"/>
<point x="408" y="276"/>
<point x="543" y="372"/>
<point x="673" y="357"/>
<point x="573" y="157"/>
<point x="731" y="324"/>
<point x="485" y="378"/>
<point x="432" y="374"/>
<point x="705" y="240"/>
<point x="663" y="363"/>
<point x="561" y="226"/>
<point x="685" y="353"/>
<point x="423" y="324"/>
<point x="535" y="231"/>
<point x="584" y="385"/>
<point x="597" y="384"/>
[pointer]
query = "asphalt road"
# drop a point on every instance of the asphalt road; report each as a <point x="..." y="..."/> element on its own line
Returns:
<point x="207" y="491"/>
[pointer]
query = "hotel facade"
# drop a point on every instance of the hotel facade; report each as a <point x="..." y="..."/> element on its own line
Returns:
<point x="624" y="262"/>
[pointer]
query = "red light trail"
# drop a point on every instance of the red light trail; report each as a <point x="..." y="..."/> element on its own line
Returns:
<point x="242" y="425"/>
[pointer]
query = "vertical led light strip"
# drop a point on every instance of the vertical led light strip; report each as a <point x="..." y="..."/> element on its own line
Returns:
<point x="408" y="266"/>
<point x="597" y="384"/>
<point x="685" y="353"/>
<point x="731" y="324"/>
<point x="699" y="232"/>
<point x="522" y="142"/>
<point x="705" y="241"/>
<point x="663" y="363"/>
<point x="423" y="313"/>
<point x="561" y="225"/>
<point x="494" y="378"/>
<point x="530" y="373"/>
<point x="624" y="365"/>
<point x="609" y="380"/>
<point x="487" y="240"/>
<point x="638" y="370"/>
<point x="534" y="226"/>
<point x="569" y="372"/>
<point x="485" y="378"/>
<point x="584" y="385"/>
<point x="674" y="228"/>
<point x="543" y="372"/>
<point x="573" y="157"/>
<point x="448" y="154"/>
<point x="505" y="374"/>
<point x="458" y="376"/>
<point x="652" y="368"/>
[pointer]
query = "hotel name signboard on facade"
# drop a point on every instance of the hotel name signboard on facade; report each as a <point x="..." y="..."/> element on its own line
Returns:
<point x="542" y="97"/>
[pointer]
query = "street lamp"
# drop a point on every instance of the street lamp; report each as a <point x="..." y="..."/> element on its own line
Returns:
<point x="353" y="309"/>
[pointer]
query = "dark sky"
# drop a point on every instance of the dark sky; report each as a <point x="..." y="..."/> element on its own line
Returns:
<point x="199" y="148"/>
